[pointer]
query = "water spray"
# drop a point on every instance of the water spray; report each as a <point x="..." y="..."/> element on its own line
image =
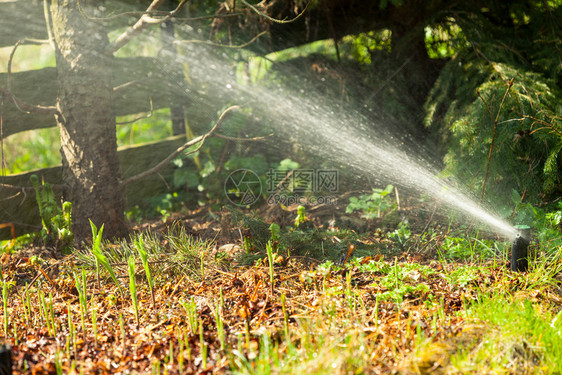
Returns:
<point x="519" y="261"/>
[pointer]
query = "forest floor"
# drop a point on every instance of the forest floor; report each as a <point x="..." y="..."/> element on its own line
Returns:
<point x="412" y="299"/>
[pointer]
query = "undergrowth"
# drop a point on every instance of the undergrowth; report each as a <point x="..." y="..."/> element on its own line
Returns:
<point x="183" y="309"/>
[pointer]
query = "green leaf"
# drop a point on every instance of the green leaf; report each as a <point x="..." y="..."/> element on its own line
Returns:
<point x="550" y="169"/>
<point x="96" y="250"/>
<point x="208" y="168"/>
<point x="184" y="176"/>
<point x="515" y="197"/>
<point x="288" y="165"/>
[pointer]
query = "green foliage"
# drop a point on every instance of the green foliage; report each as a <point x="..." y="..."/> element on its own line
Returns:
<point x="463" y="248"/>
<point x="395" y="281"/>
<point x="502" y="89"/>
<point x="305" y="241"/>
<point x="301" y="216"/>
<point x="46" y="201"/>
<point x="463" y="275"/>
<point x="275" y="230"/>
<point x="32" y="149"/>
<point x="444" y="40"/>
<point x="287" y="165"/>
<point x="373" y="205"/>
<point x="362" y="46"/>
<point x="545" y="223"/>
<point x="517" y="323"/>
<point x="191" y="310"/>
<point x="57" y="223"/>
<point x="402" y="234"/>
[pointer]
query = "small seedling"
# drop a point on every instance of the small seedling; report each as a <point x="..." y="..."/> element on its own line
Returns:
<point x="16" y="341"/>
<point x="133" y="288"/>
<point x="301" y="216"/>
<point x="100" y="257"/>
<point x="58" y="365"/>
<point x="122" y="327"/>
<point x="275" y="230"/>
<point x="139" y="244"/>
<point x="46" y="313"/>
<point x="52" y="312"/>
<point x="95" y="326"/>
<point x="220" y="326"/>
<point x="80" y="286"/>
<point x="72" y="332"/>
<point x="202" y="259"/>
<point x="171" y="355"/>
<point x="5" y="291"/>
<point x="191" y="309"/>
<point x="269" y="248"/>
<point x="285" y="316"/>
<point x="57" y="225"/>
<point x="180" y="351"/>
<point x="28" y="301"/>
<point x="156" y="368"/>
<point x="26" y="313"/>
<point x="202" y="345"/>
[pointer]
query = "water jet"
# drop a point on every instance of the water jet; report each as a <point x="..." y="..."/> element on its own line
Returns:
<point x="519" y="261"/>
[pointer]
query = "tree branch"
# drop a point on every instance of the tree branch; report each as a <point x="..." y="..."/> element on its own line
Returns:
<point x="7" y="92"/>
<point x="26" y="107"/>
<point x="275" y="20"/>
<point x="13" y="52"/>
<point x="238" y="139"/>
<point x="143" y="21"/>
<point x="25" y="189"/>
<point x="148" y="115"/>
<point x="154" y="13"/>
<point x="48" y="23"/>
<point x="495" y="123"/>
<point x="207" y="42"/>
<point x="190" y="143"/>
<point x="124" y="14"/>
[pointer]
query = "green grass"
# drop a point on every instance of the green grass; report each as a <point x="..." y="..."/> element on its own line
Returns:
<point x="520" y="334"/>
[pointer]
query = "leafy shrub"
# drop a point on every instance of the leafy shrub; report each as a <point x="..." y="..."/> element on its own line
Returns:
<point x="373" y="205"/>
<point x="496" y="110"/>
<point x="545" y="223"/>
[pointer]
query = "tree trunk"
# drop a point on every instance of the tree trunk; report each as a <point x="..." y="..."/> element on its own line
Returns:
<point x="91" y="170"/>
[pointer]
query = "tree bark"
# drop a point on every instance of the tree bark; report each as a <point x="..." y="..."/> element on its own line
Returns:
<point x="91" y="171"/>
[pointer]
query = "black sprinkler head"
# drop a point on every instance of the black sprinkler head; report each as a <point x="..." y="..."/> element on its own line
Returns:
<point x="5" y="360"/>
<point x="519" y="260"/>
